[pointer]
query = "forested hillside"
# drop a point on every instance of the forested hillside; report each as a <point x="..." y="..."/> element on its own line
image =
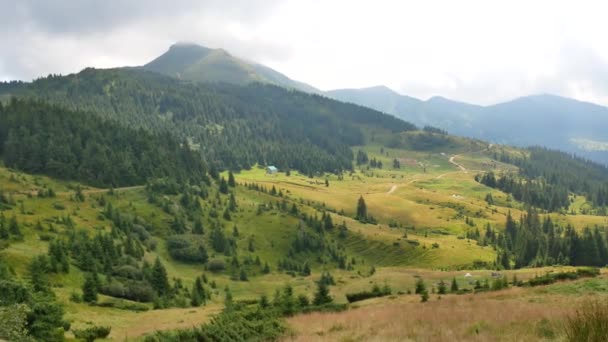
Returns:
<point x="233" y="126"/>
<point x="545" y="120"/>
<point x="45" y="139"/>
<point x="546" y="178"/>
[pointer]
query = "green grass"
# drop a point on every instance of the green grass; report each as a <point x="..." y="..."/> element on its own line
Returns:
<point x="429" y="206"/>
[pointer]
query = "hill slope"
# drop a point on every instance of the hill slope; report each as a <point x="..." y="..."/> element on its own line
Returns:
<point x="198" y="63"/>
<point x="545" y="120"/>
<point x="289" y="129"/>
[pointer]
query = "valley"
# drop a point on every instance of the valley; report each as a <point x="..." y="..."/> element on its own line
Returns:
<point x="200" y="197"/>
<point x="422" y="210"/>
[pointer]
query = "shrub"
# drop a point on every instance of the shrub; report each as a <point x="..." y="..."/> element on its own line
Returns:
<point x="187" y="247"/>
<point x="92" y="333"/>
<point x="589" y="323"/>
<point x="216" y="265"/>
<point x="375" y="292"/>
<point x="134" y="290"/>
<point x="232" y="325"/>
<point x="127" y="271"/>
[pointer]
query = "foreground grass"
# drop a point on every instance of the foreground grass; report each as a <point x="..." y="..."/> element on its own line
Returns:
<point x="515" y="314"/>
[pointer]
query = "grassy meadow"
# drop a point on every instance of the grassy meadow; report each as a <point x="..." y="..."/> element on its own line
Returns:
<point x="422" y="209"/>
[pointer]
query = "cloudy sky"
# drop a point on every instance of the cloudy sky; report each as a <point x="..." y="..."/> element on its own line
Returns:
<point x="476" y="51"/>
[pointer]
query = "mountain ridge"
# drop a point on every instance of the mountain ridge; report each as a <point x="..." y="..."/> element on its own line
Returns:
<point x="539" y="119"/>
<point x="193" y="62"/>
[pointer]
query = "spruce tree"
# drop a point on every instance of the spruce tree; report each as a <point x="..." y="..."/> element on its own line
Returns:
<point x="223" y="187"/>
<point x="159" y="280"/>
<point x="454" y="287"/>
<point x="424" y="296"/>
<point x="89" y="288"/>
<point x="361" y="209"/>
<point x="231" y="181"/>
<point x="198" y="227"/>
<point x="322" y="295"/>
<point x="4" y="235"/>
<point x="442" y="288"/>
<point x="420" y="286"/>
<point x="13" y="227"/>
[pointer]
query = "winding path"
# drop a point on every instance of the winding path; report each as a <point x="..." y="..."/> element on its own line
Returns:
<point x="451" y="160"/>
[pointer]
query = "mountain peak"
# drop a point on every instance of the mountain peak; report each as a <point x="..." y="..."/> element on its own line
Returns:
<point x="194" y="62"/>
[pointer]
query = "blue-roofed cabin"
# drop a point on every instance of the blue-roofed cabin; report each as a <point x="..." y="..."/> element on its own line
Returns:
<point x="271" y="170"/>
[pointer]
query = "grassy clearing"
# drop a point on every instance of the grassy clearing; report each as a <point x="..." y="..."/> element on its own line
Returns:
<point x="515" y="314"/>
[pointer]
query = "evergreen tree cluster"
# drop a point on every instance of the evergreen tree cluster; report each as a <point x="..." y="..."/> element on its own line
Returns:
<point x="536" y="192"/>
<point x="39" y="138"/>
<point x="30" y="311"/>
<point x="533" y="241"/>
<point x="285" y="128"/>
<point x="563" y="173"/>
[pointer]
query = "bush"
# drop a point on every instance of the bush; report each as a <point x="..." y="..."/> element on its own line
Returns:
<point x="127" y="271"/>
<point x="216" y="265"/>
<point x="551" y="278"/>
<point x="92" y="333"/>
<point x="589" y="323"/>
<point x="257" y="325"/>
<point x="375" y="292"/>
<point x="134" y="290"/>
<point x="123" y="305"/>
<point x="58" y="206"/>
<point x="187" y="248"/>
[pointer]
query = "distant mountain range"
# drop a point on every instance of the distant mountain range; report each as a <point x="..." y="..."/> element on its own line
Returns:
<point x="544" y="120"/>
<point x="193" y="62"/>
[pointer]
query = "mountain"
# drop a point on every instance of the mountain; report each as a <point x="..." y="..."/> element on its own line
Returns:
<point x="193" y="62"/>
<point x="545" y="120"/>
<point x="437" y="111"/>
<point x="286" y="128"/>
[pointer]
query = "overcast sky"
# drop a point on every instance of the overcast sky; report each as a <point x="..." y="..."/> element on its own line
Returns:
<point x="476" y="51"/>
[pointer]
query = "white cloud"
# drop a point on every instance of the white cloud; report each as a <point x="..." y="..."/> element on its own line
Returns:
<point x="476" y="51"/>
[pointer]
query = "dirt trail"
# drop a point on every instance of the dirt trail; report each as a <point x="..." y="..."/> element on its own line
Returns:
<point x="462" y="168"/>
<point x="451" y="160"/>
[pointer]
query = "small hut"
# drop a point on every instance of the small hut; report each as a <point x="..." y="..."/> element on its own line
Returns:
<point x="271" y="170"/>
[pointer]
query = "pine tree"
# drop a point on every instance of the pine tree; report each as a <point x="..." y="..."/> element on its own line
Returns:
<point x="13" y="227"/>
<point x="223" y="187"/>
<point x="420" y="286"/>
<point x="454" y="287"/>
<point x="4" y="235"/>
<point x="89" y="288"/>
<point x="198" y="227"/>
<point x="38" y="269"/>
<point x="424" y="296"/>
<point x="231" y="181"/>
<point x="232" y="203"/>
<point x="243" y="276"/>
<point x="228" y="303"/>
<point x="361" y="210"/>
<point x="200" y="291"/>
<point x="195" y="299"/>
<point x="159" y="280"/>
<point x="322" y="295"/>
<point x="442" y="288"/>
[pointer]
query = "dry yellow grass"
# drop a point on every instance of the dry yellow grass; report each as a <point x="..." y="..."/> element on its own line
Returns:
<point x="515" y="314"/>
<point x="128" y="325"/>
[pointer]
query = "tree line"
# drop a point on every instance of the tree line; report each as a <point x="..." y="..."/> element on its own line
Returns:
<point x="36" y="137"/>
<point x="285" y="128"/>
<point x="533" y="241"/>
